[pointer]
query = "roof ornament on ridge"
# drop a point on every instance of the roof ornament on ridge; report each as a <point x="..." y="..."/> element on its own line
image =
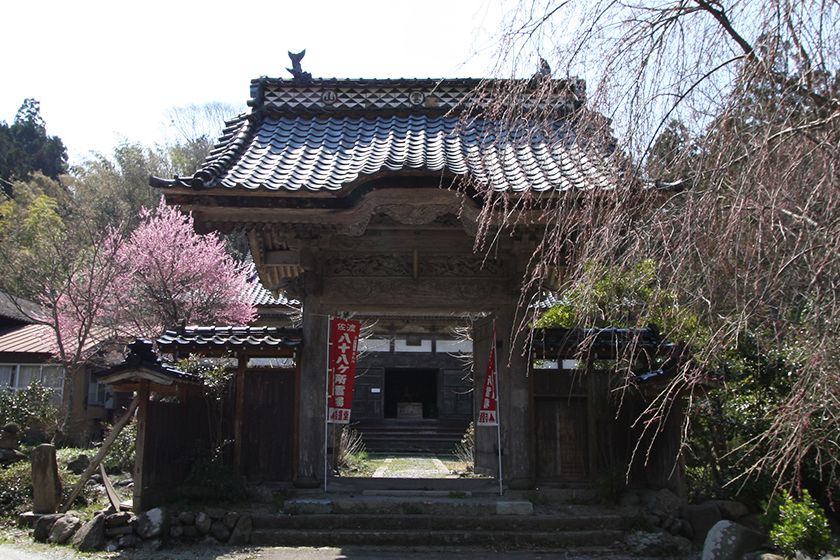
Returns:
<point x="296" y="71"/>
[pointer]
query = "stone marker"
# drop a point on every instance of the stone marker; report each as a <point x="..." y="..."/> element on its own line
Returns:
<point x="46" y="486"/>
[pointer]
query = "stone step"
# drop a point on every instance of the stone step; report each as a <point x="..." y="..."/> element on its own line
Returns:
<point x="411" y="505"/>
<point x="367" y="522"/>
<point x="426" y="538"/>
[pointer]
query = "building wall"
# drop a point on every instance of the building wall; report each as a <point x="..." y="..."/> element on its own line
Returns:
<point x="452" y="360"/>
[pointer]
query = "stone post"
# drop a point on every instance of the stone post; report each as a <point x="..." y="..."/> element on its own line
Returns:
<point x="46" y="485"/>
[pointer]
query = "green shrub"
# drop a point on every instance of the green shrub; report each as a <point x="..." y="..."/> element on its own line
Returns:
<point x="120" y="457"/>
<point x="32" y="409"/>
<point x="15" y="488"/>
<point x="212" y="481"/>
<point x="801" y="525"/>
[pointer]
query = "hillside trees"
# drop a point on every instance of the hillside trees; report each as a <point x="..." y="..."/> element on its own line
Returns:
<point x="733" y="107"/>
<point x="25" y="147"/>
<point x="108" y="260"/>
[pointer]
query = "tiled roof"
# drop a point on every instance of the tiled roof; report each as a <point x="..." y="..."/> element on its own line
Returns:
<point x="312" y="153"/>
<point x="231" y="337"/>
<point x="299" y="138"/>
<point x="563" y="341"/>
<point x="32" y="339"/>
<point x="259" y="296"/>
<point x="141" y="356"/>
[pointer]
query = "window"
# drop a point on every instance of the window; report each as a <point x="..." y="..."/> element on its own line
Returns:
<point x="98" y="393"/>
<point x="7" y="375"/>
<point x="20" y="376"/>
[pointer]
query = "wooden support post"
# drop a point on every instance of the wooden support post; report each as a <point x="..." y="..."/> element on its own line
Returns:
<point x="103" y="451"/>
<point x="239" y="410"/>
<point x="139" y="450"/>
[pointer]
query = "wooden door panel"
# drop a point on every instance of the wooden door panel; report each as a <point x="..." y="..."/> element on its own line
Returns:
<point x="561" y="438"/>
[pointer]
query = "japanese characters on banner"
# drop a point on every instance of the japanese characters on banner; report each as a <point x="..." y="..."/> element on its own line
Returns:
<point x="488" y="414"/>
<point x="344" y="341"/>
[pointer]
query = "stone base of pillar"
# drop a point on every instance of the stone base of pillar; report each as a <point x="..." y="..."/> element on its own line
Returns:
<point x="307" y="483"/>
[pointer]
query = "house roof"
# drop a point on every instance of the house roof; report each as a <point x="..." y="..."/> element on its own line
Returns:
<point x="18" y="309"/>
<point x="326" y="134"/>
<point x="29" y="339"/>
<point x="230" y="338"/>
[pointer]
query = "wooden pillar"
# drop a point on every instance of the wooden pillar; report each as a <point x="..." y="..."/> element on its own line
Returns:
<point x="239" y="410"/>
<point x="514" y="396"/>
<point x="139" y="451"/>
<point x="311" y="391"/>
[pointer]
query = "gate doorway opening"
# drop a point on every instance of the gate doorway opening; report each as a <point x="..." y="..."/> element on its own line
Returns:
<point x="411" y="393"/>
<point x="413" y="401"/>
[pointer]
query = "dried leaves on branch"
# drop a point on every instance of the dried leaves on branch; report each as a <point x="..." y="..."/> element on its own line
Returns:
<point x="727" y="121"/>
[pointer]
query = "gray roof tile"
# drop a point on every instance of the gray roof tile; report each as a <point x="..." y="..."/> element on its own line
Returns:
<point x="297" y="153"/>
<point x="295" y="141"/>
<point x="231" y="337"/>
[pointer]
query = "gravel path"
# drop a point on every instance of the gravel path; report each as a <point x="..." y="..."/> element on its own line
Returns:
<point x="417" y="466"/>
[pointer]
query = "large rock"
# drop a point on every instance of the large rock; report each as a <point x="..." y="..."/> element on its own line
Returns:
<point x="731" y="510"/>
<point x="127" y="541"/>
<point x="701" y="517"/>
<point x="46" y="486"/>
<point x="79" y="464"/>
<point x="230" y="519"/>
<point x="219" y="531"/>
<point x="118" y="519"/>
<point x="203" y="522"/>
<point x="91" y="535"/>
<point x="10" y="456"/>
<point x="640" y="543"/>
<point x="728" y="540"/>
<point x="43" y="525"/>
<point x="27" y="519"/>
<point x="664" y="504"/>
<point x="152" y="524"/>
<point x="186" y="518"/>
<point x="64" y="529"/>
<point x="242" y="532"/>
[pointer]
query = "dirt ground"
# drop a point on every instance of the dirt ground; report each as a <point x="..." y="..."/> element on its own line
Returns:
<point x="200" y="552"/>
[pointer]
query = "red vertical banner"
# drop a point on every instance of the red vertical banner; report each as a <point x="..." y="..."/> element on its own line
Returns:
<point x="488" y="414"/>
<point x="344" y="342"/>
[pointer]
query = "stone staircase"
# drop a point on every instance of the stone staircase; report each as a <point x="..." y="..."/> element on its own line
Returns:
<point x="411" y="436"/>
<point x="438" y="518"/>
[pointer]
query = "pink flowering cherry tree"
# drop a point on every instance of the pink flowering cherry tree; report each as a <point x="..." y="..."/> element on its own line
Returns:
<point x="170" y="276"/>
<point x="162" y="275"/>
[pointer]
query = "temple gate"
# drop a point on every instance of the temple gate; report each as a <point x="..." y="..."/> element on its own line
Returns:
<point x="354" y="199"/>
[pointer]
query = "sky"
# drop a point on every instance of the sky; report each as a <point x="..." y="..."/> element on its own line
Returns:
<point x="108" y="71"/>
